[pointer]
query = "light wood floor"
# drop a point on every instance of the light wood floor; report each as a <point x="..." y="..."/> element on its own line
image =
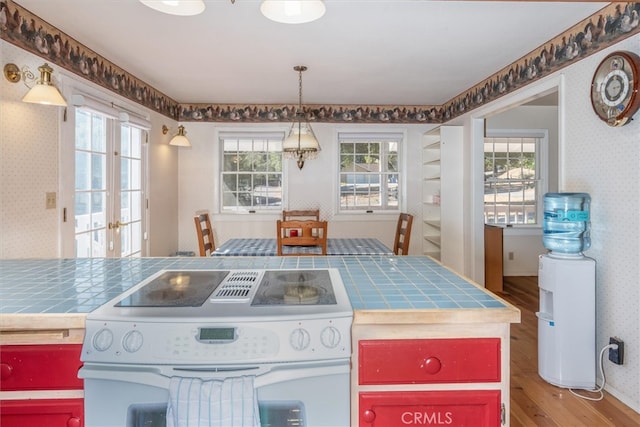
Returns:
<point x="534" y="402"/>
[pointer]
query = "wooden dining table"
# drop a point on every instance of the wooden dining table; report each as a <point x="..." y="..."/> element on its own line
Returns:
<point x="335" y="246"/>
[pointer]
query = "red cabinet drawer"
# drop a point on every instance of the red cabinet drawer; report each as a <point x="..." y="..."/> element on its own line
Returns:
<point x="39" y="413"/>
<point x="477" y="408"/>
<point x="40" y="367"/>
<point x="422" y="361"/>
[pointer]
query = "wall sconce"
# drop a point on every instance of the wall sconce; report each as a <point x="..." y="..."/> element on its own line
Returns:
<point x="179" y="140"/>
<point x="43" y="92"/>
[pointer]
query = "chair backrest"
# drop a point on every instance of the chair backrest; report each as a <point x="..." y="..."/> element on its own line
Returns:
<point x="403" y="234"/>
<point x="300" y="214"/>
<point x="301" y="233"/>
<point x="205" y="234"/>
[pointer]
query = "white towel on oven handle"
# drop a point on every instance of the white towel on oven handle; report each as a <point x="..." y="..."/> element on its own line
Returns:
<point x="232" y="402"/>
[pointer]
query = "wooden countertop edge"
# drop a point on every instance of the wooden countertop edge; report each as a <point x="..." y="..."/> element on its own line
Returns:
<point x="508" y="314"/>
<point x="41" y="321"/>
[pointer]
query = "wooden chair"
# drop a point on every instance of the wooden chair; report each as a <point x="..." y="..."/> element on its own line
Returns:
<point x="205" y="234"/>
<point x="301" y="233"/>
<point x="403" y="234"/>
<point x="296" y="214"/>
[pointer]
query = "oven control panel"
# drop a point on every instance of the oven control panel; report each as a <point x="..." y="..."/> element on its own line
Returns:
<point x="275" y="340"/>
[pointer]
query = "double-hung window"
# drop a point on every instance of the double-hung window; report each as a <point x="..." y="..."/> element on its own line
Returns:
<point x="251" y="171"/>
<point x="370" y="173"/>
<point x="514" y="177"/>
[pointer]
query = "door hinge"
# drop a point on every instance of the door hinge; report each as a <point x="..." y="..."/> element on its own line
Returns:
<point x="64" y="214"/>
<point x="503" y="414"/>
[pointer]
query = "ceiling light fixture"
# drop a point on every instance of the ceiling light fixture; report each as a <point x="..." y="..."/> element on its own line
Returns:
<point x="301" y="144"/>
<point x="293" y="11"/>
<point x="180" y="139"/>
<point x="176" y="7"/>
<point x="43" y="92"/>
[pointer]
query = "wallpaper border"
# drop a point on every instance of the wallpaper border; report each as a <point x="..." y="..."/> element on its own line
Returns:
<point x="599" y="31"/>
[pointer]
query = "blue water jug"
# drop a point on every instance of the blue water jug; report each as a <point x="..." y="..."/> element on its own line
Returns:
<point x="566" y="222"/>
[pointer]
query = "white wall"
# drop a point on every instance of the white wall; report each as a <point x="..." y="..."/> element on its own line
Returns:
<point x="604" y="162"/>
<point x="314" y="186"/>
<point x="29" y="168"/>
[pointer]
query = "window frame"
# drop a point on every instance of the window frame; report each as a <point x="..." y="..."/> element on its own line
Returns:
<point x="235" y="133"/>
<point x="542" y="168"/>
<point x="352" y="136"/>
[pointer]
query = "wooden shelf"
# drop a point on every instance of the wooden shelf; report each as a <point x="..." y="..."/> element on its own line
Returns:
<point x="433" y="223"/>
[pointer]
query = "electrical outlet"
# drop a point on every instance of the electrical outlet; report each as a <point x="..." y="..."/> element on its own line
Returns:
<point x="510" y="256"/>
<point x="616" y="355"/>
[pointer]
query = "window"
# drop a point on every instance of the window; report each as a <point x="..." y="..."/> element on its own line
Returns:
<point x="251" y="171"/>
<point x="513" y="184"/>
<point x="369" y="171"/>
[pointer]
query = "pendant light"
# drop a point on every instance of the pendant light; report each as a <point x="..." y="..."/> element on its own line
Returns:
<point x="301" y="144"/>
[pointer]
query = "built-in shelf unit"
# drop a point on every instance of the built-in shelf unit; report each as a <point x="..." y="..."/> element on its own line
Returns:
<point x="431" y="194"/>
<point x="442" y="200"/>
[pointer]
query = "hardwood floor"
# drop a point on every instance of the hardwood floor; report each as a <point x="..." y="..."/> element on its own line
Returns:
<point x="534" y="402"/>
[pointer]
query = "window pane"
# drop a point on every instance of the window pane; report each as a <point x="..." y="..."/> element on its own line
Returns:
<point x="252" y="172"/>
<point x="83" y="169"/>
<point x="511" y="188"/>
<point x="369" y="174"/>
<point x="83" y="130"/>
<point x="98" y="134"/>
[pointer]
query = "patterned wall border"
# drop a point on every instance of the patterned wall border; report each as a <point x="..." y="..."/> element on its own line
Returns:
<point x="613" y="23"/>
<point x="37" y="36"/>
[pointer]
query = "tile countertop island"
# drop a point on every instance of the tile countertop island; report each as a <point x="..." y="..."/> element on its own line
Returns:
<point x="404" y="307"/>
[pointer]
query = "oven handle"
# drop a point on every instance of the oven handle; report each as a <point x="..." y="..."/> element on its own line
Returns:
<point x="160" y="376"/>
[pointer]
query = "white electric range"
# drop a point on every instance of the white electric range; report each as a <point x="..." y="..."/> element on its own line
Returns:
<point x="290" y="330"/>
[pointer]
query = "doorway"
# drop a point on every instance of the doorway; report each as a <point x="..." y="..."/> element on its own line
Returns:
<point x="534" y="111"/>
<point x="108" y="191"/>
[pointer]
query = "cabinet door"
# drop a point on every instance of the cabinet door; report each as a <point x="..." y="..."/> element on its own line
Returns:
<point x="42" y="412"/>
<point x="425" y="361"/>
<point x="40" y="367"/>
<point x="477" y="408"/>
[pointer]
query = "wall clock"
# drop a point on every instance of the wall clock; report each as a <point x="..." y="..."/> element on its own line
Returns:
<point x="614" y="89"/>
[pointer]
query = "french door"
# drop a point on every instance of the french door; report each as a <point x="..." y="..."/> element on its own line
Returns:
<point x="109" y="196"/>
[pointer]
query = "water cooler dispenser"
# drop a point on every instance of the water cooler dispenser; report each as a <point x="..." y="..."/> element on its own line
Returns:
<point x="566" y="279"/>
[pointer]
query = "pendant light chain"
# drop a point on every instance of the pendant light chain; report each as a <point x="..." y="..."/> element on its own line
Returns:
<point x="300" y="69"/>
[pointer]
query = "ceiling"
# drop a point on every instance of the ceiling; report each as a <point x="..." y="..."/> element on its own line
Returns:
<point x="365" y="52"/>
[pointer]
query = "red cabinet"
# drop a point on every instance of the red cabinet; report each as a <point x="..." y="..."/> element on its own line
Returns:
<point x="430" y="408"/>
<point x="42" y="412"/>
<point x="429" y="361"/>
<point x="429" y="381"/>
<point x="40" y="367"/>
<point x="39" y="385"/>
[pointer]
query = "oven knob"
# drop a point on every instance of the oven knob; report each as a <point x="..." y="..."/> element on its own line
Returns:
<point x="103" y="339"/>
<point x="299" y="339"/>
<point x="330" y="337"/>
<point x="132" y="341"/>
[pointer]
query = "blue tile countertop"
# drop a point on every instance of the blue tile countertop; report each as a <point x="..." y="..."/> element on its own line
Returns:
<point x="374" y="283"/>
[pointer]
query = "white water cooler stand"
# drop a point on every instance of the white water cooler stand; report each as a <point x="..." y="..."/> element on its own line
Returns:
<point x="567" y="321"/>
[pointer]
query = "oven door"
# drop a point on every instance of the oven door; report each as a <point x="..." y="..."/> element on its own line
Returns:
<point x="294" y="394"/>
